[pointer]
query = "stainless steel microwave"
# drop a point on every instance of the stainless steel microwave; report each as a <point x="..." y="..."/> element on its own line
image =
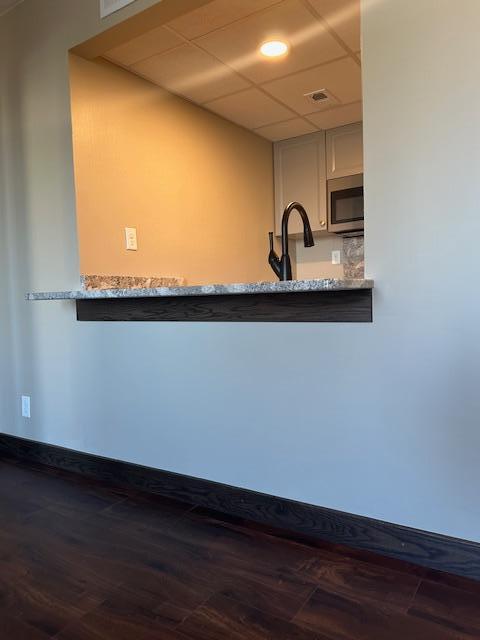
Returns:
<point x="345" y="204"/>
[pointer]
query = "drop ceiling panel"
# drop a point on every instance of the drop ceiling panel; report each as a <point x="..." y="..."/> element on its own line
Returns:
<point x="148" y="44"/>
<point x="192" y="73"/>
<point x="211" y="57"/>
<point x="5" y="5"/>
<point x="285" y="130"/>
<point x="342" y="78"/>
<point x="237" y="45"/>
<point x="337" y="117"/>
<point x="343" y="16"/>
<point x="251" y="109"/>
<point x="215" y="14"/>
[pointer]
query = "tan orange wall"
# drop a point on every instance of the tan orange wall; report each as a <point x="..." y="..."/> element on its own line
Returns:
<point x="198" y="189"/>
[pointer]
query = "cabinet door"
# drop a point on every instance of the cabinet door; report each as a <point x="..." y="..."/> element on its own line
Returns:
<point x="345" y="151"/>
<point x="300" y="176"/>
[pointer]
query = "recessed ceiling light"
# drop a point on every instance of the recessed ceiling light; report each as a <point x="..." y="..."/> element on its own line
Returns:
<point x="274" y="49"/>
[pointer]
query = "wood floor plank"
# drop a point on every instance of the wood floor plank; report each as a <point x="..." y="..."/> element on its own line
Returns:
<point x="125" y="616"/>
<point x="342" y="618"/>
<point x="12" y="628"/>
<point x="116" y="556"/>
<point x="45" y="606"/>
<point x="449" y="608"/>
<point x="147" y="511"/>
<point x="222" y="618"/>
<point x="364" y="581"/>
<point x="450" y="580"/>
<point x="244" y="564"/>
<point x="239" y="563"/>
<point x="82" y="560"/>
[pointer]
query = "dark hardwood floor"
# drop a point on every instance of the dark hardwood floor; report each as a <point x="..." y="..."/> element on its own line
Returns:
<point x="84" y="561"/>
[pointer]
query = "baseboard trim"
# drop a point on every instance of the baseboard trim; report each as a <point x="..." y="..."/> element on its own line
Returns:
<point x="434" y="551"/>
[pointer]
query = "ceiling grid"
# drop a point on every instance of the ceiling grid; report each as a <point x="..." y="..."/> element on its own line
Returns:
<point x="210" y="57"/>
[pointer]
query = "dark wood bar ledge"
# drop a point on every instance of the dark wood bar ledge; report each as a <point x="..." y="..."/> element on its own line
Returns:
<point x="319" y="300"/>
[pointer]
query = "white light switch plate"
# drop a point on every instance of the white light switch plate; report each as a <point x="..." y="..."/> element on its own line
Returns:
<point x="131" y="239"/>
<point x="336" y="257"/>
<point x="26" y="406"/>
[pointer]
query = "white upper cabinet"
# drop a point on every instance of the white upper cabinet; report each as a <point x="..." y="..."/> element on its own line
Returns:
<point x="345" y="151"/>
<point x="300" y="175"/>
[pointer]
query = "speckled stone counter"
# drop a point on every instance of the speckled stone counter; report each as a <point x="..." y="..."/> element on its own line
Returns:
<point x="93" y="282"/>
<point x="291" y="286"/>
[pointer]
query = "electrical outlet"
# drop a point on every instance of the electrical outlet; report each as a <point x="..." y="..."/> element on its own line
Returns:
<point x="336" y="257"/>
<point x="131" y="239"/>
<point x="26" y="406"/>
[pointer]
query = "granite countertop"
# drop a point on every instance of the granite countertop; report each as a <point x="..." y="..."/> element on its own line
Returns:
<point x="323" y="284"/>
<point x="95" y="282"/>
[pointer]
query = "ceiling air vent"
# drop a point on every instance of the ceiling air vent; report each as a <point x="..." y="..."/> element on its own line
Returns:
<point x="320" y="97"/>
<point x="110" y="6"/>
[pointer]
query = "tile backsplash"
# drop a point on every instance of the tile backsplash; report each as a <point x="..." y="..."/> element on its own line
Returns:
<point x="353" y="258"/>
<point x="316" y="262"/>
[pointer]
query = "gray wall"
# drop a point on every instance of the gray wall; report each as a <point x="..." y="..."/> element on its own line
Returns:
<point x="379" y="419"/>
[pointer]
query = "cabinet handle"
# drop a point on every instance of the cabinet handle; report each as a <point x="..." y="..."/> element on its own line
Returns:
<point x="322" y="223"/>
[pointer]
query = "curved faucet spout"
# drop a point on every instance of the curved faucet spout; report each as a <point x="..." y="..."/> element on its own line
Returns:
<point x="307" y="229"/>
<point x="282" y="267"/>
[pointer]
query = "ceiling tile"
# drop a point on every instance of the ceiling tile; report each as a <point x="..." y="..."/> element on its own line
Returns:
<point x="238" y="44"/>
<point x="148" y="44"/>
<point x="192" y="73"/>
<point x="342" y="78"/>
<point x="285" y="130"/>
<point x="8" y="4"/>
<point x="343" y="16"/>
<point x="251" y="109"/>
<point x="337" y="117"/>
<point x="215" y="14"/>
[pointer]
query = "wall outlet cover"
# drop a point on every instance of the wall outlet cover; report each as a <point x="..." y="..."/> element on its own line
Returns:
<point x="336" y="257"/>
<point x="131" y="239"/>
<point x="26" y="406"/>
<point x="108" y="7"/>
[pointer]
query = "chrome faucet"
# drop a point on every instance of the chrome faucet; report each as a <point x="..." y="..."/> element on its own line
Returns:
<point x="282" y="267"/>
